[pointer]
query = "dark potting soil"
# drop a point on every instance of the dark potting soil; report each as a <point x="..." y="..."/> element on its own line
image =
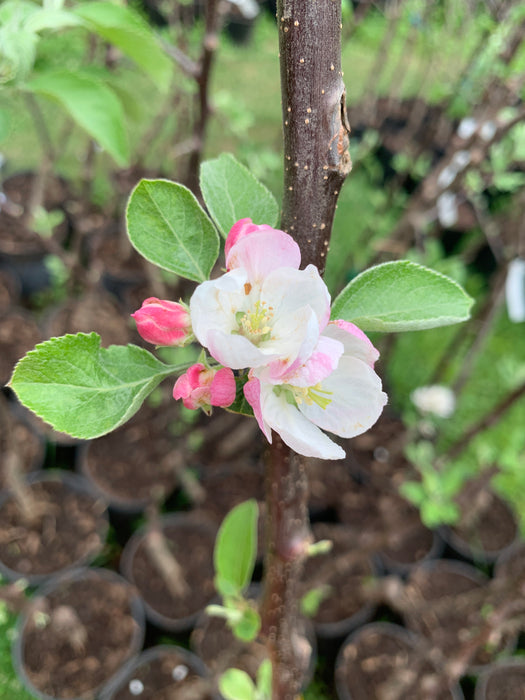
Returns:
<point x="136" y="463"/>
<point x="325" y="485"/>
<point x="18" y="334"/>
<point x="20" y="443"/>
<point x="383" y="522"/>
<point x="226" y="488"/>
<point x="507" y="683"/>
<point x="446" y="606"/>
<point x="9" y="291"/>
<point x="92" y="312"/>
<point x="192" y="548"/>
<point x="344" y="570"/>
<point x="15" y="237"/>
<point x="89" y="633"/>
<point x="486" y="523"/>
<point x="63" y="528"/>
<point x="216" y="645"/>
<point x="385" y="665"/>
<point x="167" y="676"/>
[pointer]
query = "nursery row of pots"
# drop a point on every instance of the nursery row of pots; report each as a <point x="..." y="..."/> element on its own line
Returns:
<point x="81" y="637"/>
<point x="189" y="537"/>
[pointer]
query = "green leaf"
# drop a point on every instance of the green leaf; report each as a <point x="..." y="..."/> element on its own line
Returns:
<point x="508" y="182"/>
<point x="264" y="679"/>
<point x="16" y="12"/>
<point x="247" y="628"/>
<point x="92" y="105"/>
<point x="401" y="296"/>
<point x="168" y="227"/>
<point x="83" y="389"/>
<point x="235" y="684"/>
<point x="231" y="193"/>
<point x="236" y="548"/>
<point x="311" y="600"/>
<point x="49" y="18"/>
<point x="124" y="28"/>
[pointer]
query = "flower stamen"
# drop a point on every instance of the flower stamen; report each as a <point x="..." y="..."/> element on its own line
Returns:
<point x="255" y="325"/>
<point x="312" y="394"/>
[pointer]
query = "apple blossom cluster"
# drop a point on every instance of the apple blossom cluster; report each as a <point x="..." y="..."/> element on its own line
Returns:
<point x="267" y="325"/>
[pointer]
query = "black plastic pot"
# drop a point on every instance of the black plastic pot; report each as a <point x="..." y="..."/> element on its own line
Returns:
<point x="66" y="482"/>
<point x="60" y="602"/>
<point x="504" y="680"/>
<point x="191" y="541"/>
<point x="383" y="655"/>
<point x="174" y="670"/>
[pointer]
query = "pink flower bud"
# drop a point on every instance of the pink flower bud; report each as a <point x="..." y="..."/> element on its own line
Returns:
<point x="163" y="322"/>
<point x="201" y="388"/>
<point x="278" y="248"/>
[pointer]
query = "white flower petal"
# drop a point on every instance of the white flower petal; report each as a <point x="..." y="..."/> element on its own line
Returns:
<point x="286" y="290"/>
<point x="296" y="430"/>
<point x="236" y="351"/>
<point x="356" y="399"/>
<point x="355" y="342"/>
<point x="215" y="302"/>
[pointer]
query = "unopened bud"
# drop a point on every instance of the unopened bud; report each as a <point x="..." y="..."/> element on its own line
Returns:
<point x="202" y="388"/>
<point x="163" y="322"/>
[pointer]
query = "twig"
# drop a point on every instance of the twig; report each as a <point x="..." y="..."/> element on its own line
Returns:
<point x="163" y="559"/>
<point x="486" y="422"/>
<point x="191" y="68"/>
<point x="213" y="22"/>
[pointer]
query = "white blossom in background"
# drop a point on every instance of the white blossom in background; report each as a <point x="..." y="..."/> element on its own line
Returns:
<point x="467" y="126"/>
<point x="436" y="399"/>
<point x="447" y="209"/>
<point x="515" y="290"/>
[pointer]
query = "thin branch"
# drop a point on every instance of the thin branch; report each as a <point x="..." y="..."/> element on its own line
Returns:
<point x="191" y="68"/>
<point x="485" y="422"/>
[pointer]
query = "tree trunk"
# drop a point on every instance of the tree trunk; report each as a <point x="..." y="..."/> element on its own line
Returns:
<point x="316" y="162"/>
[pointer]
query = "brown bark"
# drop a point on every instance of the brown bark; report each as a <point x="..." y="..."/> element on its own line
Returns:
<point x="316" y="163"/>
<point x="287" y="540"/>
<point x="316" y="128"/>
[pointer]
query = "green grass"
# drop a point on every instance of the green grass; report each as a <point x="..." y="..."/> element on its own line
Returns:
<point x="10" y="686"/>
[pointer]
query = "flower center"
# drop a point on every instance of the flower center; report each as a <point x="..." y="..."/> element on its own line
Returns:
<point x="255" y="324"/>
<point x="309" y="395"/>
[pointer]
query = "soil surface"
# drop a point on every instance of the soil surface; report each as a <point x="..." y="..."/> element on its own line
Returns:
<point x="344" y="571"/>
<point x="191" y="544"/>
<point x="383" y="522"/>
<point x="62" y="527"/>
<point x="138" y="462"/>
<point x="506" y="682"/>
<point x="18" y="334"/>
<point x="77" y="650"/>
<point x="93" y="312"/>
<point x="9" y="291"/>
<point x="486" y="525"/>
<point x="15" y="237"/>
<point x="445" y="602"/>
<point x="19" y="444"/>
<point x="382" y="662"/>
